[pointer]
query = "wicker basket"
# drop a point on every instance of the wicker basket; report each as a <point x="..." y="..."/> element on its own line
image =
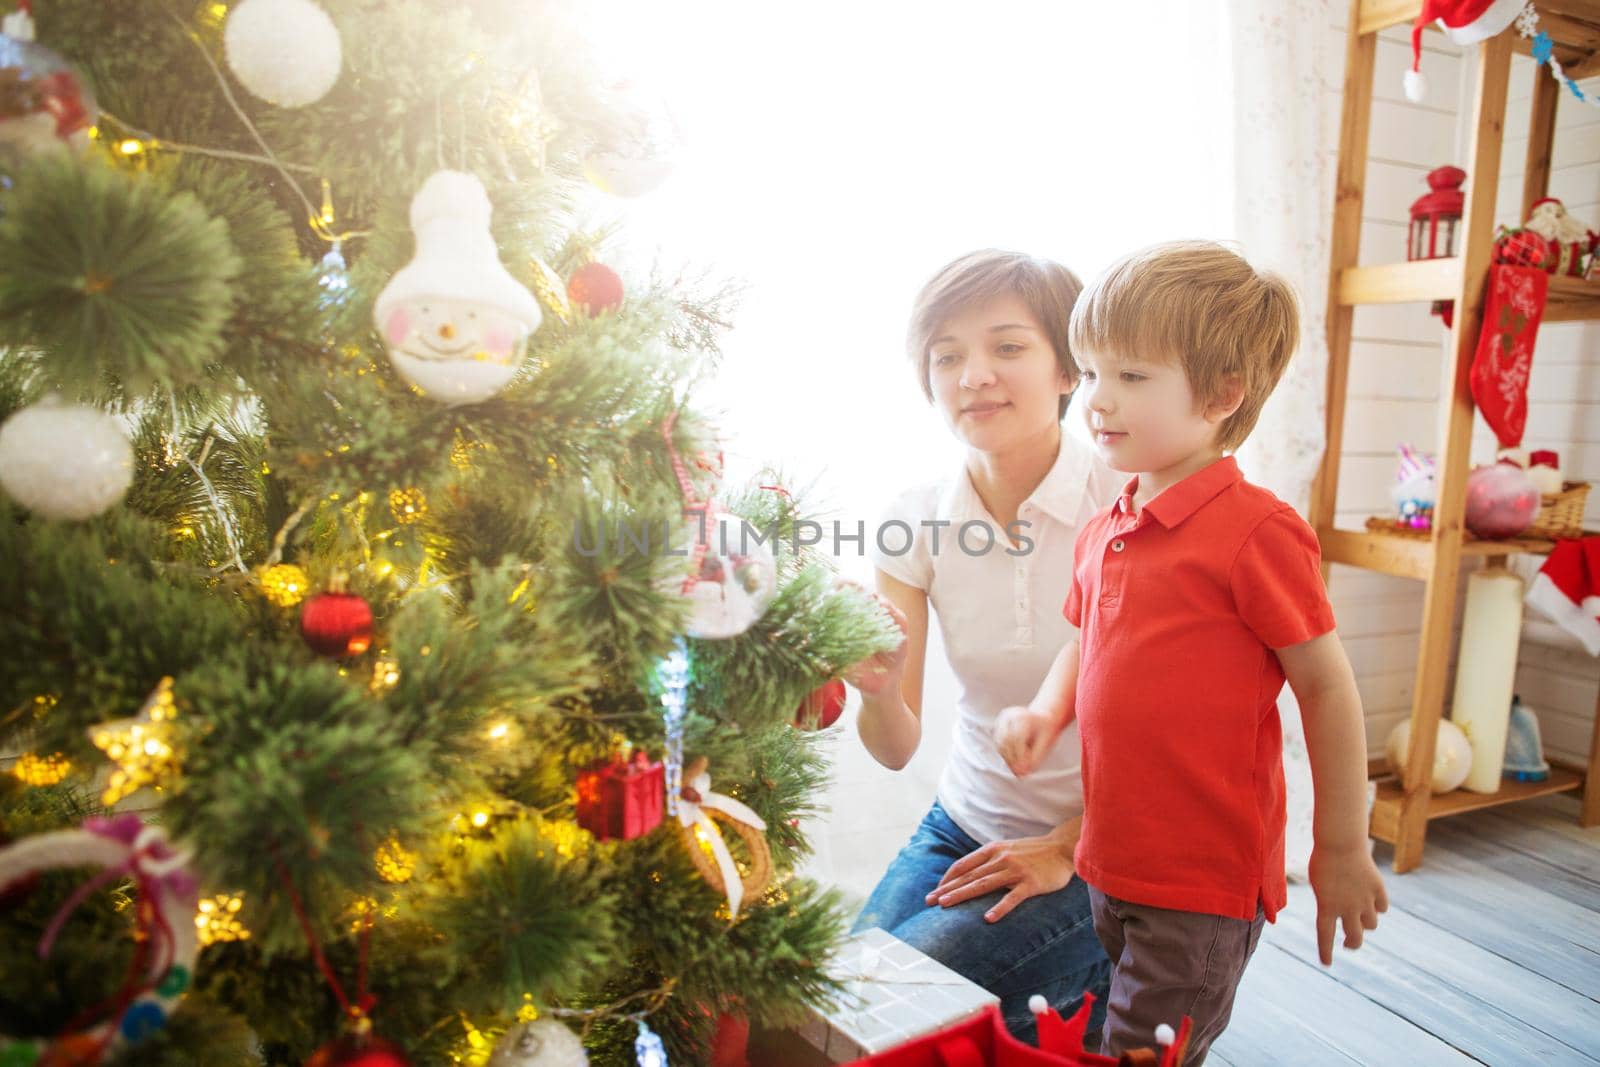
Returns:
<point x="1560" y="514"/>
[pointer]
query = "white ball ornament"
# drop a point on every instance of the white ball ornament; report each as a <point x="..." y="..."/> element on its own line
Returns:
<point x="455" y="322"/>
<point x="1452" y="754"/>
<point x="539" y="1043"/>
<point x="64" y="461"/>
<point x="287" y="52"/>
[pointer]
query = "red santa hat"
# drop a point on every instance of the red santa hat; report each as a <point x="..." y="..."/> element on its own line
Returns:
<point x="1567" y="588"/>
<point x="1464" y="22"/>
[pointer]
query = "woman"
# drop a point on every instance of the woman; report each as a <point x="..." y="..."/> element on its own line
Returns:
<point x="985" y="885"/>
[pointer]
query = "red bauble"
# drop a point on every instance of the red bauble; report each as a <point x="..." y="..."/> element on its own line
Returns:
<point x="822" y="708"/>
<point x="358" y="1052"/>
<point x="337" y="624"/>
<point x="595" y="287"/>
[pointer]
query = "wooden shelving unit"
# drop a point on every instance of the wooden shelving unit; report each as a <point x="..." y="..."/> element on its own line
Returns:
<point x="1403" y="808"/>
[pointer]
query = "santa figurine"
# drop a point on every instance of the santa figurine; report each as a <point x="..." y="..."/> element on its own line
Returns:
<point x="1570" y="240"/>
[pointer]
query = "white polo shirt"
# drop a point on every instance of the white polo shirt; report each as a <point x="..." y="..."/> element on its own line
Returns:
<point x="1000" y="611"/>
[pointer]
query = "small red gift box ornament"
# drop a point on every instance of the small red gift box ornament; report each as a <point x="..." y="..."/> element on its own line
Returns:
<point x="620" y="798"/>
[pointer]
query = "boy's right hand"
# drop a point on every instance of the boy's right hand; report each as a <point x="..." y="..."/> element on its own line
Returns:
<point x="1023" y="737"/>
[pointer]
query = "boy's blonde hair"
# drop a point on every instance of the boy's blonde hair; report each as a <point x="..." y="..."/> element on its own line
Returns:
<point x="1049" y="289"/>
<point x="1200" y="305"/>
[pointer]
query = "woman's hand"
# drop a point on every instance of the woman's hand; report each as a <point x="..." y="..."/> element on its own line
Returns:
<point x="874" y="674"/>
<point x="1028" y="866"/>
<point x="1023" y="737"/>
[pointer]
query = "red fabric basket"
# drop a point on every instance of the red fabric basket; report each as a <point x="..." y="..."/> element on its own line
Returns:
<point x="984" y="1041"/>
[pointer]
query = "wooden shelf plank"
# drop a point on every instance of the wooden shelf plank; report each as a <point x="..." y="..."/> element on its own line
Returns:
<point x="1386" y="809"/>
<point x="1403" y="557"/>
<point x="1401" y="283"/>
<point x="1408" y="557"/>
<point x="1381" y="14"/>
<point x="1571" y="300"/>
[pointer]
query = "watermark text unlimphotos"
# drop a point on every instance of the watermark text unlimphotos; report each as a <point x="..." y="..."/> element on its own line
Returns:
<point x="731" y="535"/>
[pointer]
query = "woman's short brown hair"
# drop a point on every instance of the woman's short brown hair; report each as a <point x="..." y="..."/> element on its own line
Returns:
<point x="1200" y="305"/>
<point x="1048" y="288"/>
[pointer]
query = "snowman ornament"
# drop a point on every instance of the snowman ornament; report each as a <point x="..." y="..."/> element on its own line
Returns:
<point x="454" y="320"/>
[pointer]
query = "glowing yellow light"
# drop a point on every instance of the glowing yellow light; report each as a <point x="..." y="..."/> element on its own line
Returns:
<point x="217" y="919"/>
<point x="284" y="584"/>
<point x="395" y="863"/>
<point x="219" y="10"/>
<point x="516" y="594"/>
<point x="385" y="569"/>
<point x="567" y="838"/>
<point x="480" y="819"/>
<point x="385" y="673"/>
<point x="527" y="1013"/>
<point x="407" y="505"/>
<point x="130" y="147"/>
<point x="36" y="770"/>
<point x="140" y="747"/>
<point x="499" y="730"/>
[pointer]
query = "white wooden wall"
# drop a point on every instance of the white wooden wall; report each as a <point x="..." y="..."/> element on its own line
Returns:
<point x="1398" y="362"/>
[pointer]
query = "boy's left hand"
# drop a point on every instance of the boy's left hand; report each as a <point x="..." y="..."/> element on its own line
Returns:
<point x="1350" y="891"/>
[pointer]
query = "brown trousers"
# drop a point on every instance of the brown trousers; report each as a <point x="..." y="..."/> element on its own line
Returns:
<point x="1169" y="964"/>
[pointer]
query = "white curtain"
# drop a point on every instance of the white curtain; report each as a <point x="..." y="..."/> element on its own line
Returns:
<point x="1284" y="151"/>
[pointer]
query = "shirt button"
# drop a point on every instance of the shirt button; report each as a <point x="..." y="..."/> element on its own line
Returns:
<point x="1117" y="545"/>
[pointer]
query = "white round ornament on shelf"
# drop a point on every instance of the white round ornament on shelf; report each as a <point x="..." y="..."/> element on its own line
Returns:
<point x="538" y="1043"/>
<point x="64" y="461"/>
<point x="735" y="580"/>
<point x="454" y="320"/>
<point x="287" y="52"/>
<point x="1452" y="754"/>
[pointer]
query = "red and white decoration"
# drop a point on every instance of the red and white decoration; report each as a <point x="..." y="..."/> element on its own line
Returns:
<point x="1464" y="22"/>
<point x="1512" y="308"/>
<point x="1570" y="241"/>
<point x="1567" y="589"/>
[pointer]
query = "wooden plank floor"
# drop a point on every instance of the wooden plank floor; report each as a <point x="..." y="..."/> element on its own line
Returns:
<point x="1490" y="953"/>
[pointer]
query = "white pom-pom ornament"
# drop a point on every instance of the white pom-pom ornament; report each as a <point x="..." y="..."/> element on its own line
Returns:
<point x="539" y="1043"/>
<point x="64" y="461"/>
<point x="1165" y="1035"/>
<point x="287" y="52"/>
<point x="1038" y="1005"/>
<point x="1416" y="86"/>
<point x="1452" y="754"/>
<point x="455" y="321"/>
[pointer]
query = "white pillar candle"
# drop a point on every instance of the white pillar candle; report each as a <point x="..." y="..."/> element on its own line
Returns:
<point x="1486" y="672"/>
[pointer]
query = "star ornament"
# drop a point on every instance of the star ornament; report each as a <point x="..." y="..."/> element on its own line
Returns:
<point x="141" y="747"/>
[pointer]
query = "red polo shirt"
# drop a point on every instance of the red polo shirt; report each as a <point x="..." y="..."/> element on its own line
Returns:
<point x="1181" y="606"/>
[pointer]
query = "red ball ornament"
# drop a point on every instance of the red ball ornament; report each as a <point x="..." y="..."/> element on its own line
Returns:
<point x="358" y="1052"/>
<point x="595" y="287"/>
<point x="822" y="708"/>
<point x="1502" y="501"/>
<point x="336" y="623"/>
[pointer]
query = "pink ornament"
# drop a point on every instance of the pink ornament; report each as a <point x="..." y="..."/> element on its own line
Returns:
<point x="1502" y="501"/>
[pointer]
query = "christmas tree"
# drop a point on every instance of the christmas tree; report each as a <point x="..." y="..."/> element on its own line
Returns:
<point x="369" y="691"/>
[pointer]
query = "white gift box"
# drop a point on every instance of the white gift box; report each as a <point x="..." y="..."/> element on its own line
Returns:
<point x="892" y="993"/>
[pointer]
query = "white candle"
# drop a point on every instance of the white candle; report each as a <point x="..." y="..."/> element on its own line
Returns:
<point x="1486" y="672"/>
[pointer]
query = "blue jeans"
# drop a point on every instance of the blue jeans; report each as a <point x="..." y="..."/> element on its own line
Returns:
<point x="1046" y="945"/>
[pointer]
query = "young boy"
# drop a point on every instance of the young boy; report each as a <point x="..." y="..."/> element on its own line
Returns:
<point x="1196" y="595"/>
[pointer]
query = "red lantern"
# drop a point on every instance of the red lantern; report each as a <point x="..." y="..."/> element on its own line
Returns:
<point x="1436" y="215"/>
<point x="336" y="623"/>
<point x="621" y="799"/>
<point x="823" y="707"/>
